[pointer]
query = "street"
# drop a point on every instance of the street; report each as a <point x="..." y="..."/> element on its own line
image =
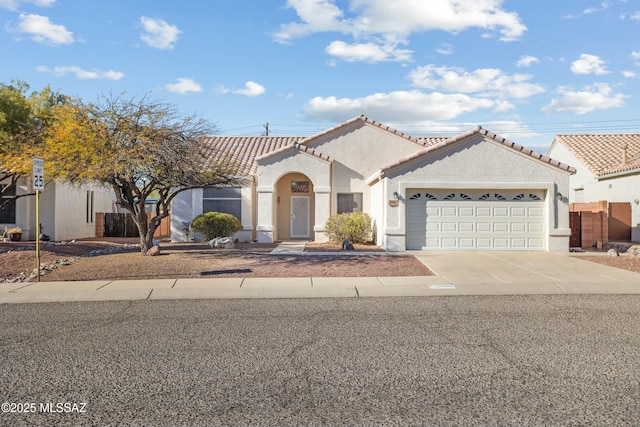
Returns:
<point x="445" y="361"/>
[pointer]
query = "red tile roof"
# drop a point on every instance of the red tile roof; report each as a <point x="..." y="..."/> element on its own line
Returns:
<point x="242" y="151"/>
<point x="604" y="154"/>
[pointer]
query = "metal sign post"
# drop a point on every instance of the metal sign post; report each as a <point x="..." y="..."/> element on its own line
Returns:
<point x="38" y="185"/>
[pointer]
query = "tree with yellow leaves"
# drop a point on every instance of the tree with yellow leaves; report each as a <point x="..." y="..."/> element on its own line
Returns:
<point x="137" y="146"/>
<point x="24" y="119"/>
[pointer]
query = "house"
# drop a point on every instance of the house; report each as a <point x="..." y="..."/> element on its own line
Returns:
<point x="66" y="211"/>
<point x="608" y="173"/>
<point x="475" y="191"/>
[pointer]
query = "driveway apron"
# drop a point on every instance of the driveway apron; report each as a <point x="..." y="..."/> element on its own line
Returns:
<point x="527" y="272"/>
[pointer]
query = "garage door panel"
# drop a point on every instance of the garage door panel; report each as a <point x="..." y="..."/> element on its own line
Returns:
<point x="464" y="220"/>
<point x="500" y="227"/>
<point x="449" y="226"/>
<point x="518" y="211"/>
<point x="449" y="211"/>
<point x="518" y="243"/>
<point x="483" y="227"/>
<point x="536" y="244"/>
<point x="535" y="227"/>
<point x="467" y="211"/>
<point x="501" y="243"/>
<point x="449" y="243"/>
<point x="534" y="212"/>
<point x="518" y="227"/>
<point x="483" y="211"/>
<point x="483" y="243"/>
<point x="466" y="243"/>
<point x="466" y="227"/>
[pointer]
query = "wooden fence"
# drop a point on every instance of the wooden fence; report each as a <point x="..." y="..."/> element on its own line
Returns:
<point x="122" y="225"/>
<point x="597" y="223"/>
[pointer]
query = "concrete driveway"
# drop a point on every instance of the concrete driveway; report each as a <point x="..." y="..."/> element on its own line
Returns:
<point x="500" y="273"/>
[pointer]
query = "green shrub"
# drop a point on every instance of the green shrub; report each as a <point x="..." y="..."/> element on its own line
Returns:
<point x="354" y="226"/>
<point x="216" y="224"/>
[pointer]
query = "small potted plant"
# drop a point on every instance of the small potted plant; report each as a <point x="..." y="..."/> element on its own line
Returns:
<point x="13" y="233"/>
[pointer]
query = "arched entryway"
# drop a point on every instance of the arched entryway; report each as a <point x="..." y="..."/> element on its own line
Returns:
<point x="294" y="207"/>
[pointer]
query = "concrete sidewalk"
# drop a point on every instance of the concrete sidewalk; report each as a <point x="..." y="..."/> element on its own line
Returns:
<point x="221" y="288"/>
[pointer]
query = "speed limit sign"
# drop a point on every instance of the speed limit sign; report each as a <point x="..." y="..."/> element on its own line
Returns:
<point x="38" y="174"/>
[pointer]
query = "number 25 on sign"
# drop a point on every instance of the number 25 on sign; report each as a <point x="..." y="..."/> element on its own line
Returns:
<point x="38" y="174"/>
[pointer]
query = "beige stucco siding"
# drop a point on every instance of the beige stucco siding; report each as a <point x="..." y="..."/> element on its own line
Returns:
<point x="358" y="151"/>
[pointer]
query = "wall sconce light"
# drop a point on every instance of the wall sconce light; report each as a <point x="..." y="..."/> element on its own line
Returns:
<point x="636" y="201"/>
<point x="278" y="199"/>
<point x="396" y="195"/>
<point x="559" y="196"/>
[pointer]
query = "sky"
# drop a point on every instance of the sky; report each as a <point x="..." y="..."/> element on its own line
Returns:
<point x="526" y="70"/>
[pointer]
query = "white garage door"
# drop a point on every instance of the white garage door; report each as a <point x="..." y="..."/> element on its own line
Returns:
<point x="475" y="220"/>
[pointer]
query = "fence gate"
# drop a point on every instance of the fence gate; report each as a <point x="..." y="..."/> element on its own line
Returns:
<point x="575" y="223"/>
<point x="119" y="225"/>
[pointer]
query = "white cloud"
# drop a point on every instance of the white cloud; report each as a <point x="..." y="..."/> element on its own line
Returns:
<point x="445" y="49"/>
<point x="251" y="89"/>
<point x="589" y="64"/>
<point x="527" y="61"/>
<point x="636" y="55"/>
<point x="369" y="52"/>
<point x="628" y="74"/>
<point x="159" y="34"/>
<point x="81" y="73"/>
<point x="636" y="16"/>
<point x="184" y="85"/>
<point x="389" y="24"/>
<point x="490" y="82"/>
<point x="603" y="6"/>
<point x="15" y="4"/>
<point x="42" y="30"/>
<point x="395" y="107"/>
<point x="596" y="97"/>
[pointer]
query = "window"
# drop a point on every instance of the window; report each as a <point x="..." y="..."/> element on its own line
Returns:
<point x="8" y="211"/>
<point x="89" y="207"/>
<point x="349" y="202"/>
<point x="299" y="186"/>
<point x="225" y="200"/>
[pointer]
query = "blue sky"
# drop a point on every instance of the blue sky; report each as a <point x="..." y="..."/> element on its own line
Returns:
<point x="526" y="70"/>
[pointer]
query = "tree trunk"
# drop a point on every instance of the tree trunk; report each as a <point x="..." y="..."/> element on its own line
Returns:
<point x="146" y="229"/>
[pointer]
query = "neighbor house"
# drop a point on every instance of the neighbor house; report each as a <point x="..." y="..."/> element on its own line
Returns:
<point x="608" y="173"/>
<point x="474" y="191"/>
<point x="66" y="211"/>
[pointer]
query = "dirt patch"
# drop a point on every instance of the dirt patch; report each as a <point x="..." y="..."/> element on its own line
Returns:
<point x="626" y="262"/>
<point x="199" y="260"/>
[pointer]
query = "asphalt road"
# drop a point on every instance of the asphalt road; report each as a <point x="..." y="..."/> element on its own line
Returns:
<point x="507" y="361"/>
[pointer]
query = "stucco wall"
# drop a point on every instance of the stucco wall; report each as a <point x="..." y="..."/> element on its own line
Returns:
<point x="358" y="151"/>
<point x="478" y="163"/>
<point x="70" y="213"/>
<point x="63" y="210"/>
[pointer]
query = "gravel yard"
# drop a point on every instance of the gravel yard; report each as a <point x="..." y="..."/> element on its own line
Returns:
<point x="17" y="260"/>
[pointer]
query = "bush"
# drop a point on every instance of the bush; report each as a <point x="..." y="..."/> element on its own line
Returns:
<point x="354" y="226"/>
<point x="216" y="224"/>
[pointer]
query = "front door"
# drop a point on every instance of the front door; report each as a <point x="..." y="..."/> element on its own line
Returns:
<point x="299" y="223"/>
